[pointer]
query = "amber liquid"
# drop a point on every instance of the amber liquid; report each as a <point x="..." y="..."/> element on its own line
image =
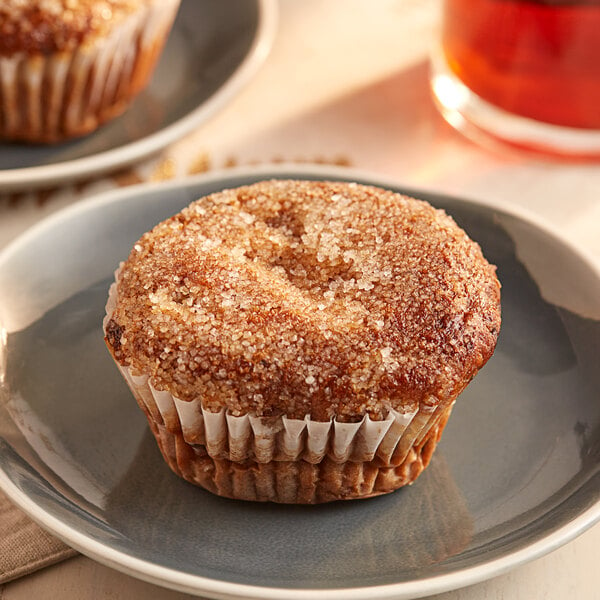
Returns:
<point x="535" y="58"/>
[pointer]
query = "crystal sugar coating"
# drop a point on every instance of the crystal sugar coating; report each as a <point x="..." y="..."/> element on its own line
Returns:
<point x="46" y="26"/>
<point x="296" y="298"/>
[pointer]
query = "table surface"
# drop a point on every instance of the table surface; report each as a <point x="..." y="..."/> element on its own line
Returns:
<point x="346" y="83"/>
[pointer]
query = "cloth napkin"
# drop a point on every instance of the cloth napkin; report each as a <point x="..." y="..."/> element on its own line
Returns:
<point x="24" y="546"/>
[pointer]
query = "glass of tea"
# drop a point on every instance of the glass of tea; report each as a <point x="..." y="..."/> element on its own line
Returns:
<point x="526" y="72"/>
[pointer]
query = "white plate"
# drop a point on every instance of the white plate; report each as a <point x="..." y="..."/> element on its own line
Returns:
<point x="214" y="49"/>
<point x="517" y="472"/>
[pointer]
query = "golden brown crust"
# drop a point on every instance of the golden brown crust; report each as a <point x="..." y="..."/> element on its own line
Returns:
<point x="47" y="26"/>
<point x="320" y="298"/>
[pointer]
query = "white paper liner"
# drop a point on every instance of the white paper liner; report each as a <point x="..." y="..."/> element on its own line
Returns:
<point x="48" y="98"/>
<point x="264" y="439"/>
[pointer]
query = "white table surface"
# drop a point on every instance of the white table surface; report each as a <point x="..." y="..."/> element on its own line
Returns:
<point x="346" y="83"/>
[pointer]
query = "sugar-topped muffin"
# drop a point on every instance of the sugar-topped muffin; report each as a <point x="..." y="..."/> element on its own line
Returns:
<point x="300" y="341"/>
<point x="67" y="66"/>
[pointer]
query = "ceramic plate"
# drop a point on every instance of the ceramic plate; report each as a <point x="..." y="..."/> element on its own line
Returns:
<point x="214" y="48"/>
<point x="515" y="476"/>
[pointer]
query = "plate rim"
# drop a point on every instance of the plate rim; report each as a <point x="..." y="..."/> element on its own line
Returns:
<point x="35" y="177"/>
<point x="197" y="584"/>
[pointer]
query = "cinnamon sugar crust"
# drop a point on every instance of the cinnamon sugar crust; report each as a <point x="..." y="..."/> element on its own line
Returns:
<point x="302" y="298"/>
<point x="47" y="26"/>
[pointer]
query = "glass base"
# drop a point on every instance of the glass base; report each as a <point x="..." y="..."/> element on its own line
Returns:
<point x="484" y="123"/>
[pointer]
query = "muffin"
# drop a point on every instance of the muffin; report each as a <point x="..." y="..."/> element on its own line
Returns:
<point x="67" y="66"/>
<point x="302" y="341"/>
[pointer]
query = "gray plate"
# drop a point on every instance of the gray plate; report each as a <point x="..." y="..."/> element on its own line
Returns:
<point x="516" y="473"/>
<point x="214" y="48"/>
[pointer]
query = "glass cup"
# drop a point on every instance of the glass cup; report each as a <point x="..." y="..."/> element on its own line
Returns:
<point x="525" y="72"/>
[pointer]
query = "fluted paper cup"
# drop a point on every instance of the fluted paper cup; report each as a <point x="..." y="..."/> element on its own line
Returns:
<point x="49" y="98"/>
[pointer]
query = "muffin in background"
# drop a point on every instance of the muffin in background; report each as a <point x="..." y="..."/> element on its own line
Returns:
<point x="300" y="341"/>
<point x="67" y="66"/>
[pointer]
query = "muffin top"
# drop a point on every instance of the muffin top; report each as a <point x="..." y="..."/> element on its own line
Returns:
<point x="326" y="299"/>
<point x="46" y="26"/>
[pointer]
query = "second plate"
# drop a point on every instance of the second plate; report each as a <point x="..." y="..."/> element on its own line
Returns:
<point x="213" y="50"/>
